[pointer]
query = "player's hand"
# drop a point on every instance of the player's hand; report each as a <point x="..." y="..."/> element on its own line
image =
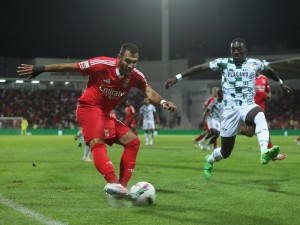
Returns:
<point x="169" y="106"/>
<point x="171" y="81"/>
<point x="286" y="88"/>
<point x="30" y="70"/>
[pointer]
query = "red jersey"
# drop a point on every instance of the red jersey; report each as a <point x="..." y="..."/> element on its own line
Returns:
<point x="205" y="105"/>
<point x="106" y="87"/>
<point x="261" y="89"/>
<point x="129" y="111"/>
<point x="207" y="102"/>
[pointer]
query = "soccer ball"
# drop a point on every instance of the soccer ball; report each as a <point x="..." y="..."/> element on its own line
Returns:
<point x="145" y="192"/>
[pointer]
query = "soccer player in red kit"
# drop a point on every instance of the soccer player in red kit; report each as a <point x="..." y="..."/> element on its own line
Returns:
<point x="109" y="80"/>
<point x="262" y="93"/>
<point x="130" y="114"/>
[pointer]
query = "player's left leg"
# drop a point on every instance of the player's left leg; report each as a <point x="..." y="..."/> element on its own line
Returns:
<point x="255" y="117"/>
<point x="131" y="144"/>
<point x="131" y="147"/>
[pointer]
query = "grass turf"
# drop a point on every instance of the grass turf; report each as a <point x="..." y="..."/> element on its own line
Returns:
<point x="65" y="189"/>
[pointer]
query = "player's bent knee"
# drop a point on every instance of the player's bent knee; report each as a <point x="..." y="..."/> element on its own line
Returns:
<point x="134" y="144"/>
<point x="92" y="142"/>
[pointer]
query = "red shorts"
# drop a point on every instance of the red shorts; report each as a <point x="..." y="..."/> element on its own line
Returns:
<point x="97" y="124"/>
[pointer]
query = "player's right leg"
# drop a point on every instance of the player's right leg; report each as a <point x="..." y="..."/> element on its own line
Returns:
<point x="218" y="154"/>
<point x="131" y="144"/>
<point x="151" y="137"/>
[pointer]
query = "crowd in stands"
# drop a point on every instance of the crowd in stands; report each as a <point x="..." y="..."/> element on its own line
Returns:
<point x="42" y="108"/>
<point x="51" y="109"/>
<point x="56" y="109"/>
<point x="284" y="112"/>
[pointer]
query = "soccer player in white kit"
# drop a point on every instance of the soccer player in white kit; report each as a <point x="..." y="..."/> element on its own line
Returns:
<point x="238" y="85"/>
<point x="147" y="114"/>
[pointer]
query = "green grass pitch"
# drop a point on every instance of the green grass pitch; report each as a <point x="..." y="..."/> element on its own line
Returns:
<point x="69" y="191"/>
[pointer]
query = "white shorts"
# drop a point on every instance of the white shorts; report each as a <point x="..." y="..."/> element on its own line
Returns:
<point x="231" y="120"/>
<point x="148" y="125"/>
<point x="213" y="123"/>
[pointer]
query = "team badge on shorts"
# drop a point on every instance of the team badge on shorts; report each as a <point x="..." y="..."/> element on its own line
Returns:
<point x="126" y="81"/>
<point x="106" y="133"/>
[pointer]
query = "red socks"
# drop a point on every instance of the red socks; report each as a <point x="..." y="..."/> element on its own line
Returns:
<point x="270" y="143"/>
<point x="200" y="137"/>
<point x="128" y="159"/>
<point x="103" y="163"/>
<point x="127" y="164"/>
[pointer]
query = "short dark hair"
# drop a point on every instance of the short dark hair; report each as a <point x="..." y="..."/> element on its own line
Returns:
<point x="129" y="47"/>
<point x="241" y="40"/>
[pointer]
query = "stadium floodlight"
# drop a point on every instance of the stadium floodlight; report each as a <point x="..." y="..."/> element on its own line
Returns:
<point x="2" y="81"/>
<point x="35" y="81"/>
<point x="19" y="81"/>
<point x="67" y="82"/>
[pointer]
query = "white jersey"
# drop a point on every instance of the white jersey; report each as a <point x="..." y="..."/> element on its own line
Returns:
<point x="216" y="109"/>
<point x="147" y="111"/>
<point x="238" y="82"/>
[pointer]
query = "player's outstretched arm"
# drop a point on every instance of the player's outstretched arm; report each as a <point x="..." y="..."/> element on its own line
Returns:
<point x="190" y="71"/>
<point x="32" y="71"/>
<point x="155" y="98"/>
<point x="274" y="76"/>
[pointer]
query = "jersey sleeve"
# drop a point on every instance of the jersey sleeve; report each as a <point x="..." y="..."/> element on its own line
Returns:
<point x="259" y="65"/>
<point x="140" y="80"/>
<point x="215" y="65"/>
<point x="89" y="66"/>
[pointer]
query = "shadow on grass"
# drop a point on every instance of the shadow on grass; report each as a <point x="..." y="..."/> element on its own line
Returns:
<point x="271" y="185"/>
<point x="200" y="215"/>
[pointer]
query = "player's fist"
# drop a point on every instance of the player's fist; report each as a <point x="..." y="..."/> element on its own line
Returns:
<point x="171" y="81"/>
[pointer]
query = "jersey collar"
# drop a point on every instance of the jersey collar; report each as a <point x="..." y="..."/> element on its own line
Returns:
<point x="118" y="73"/>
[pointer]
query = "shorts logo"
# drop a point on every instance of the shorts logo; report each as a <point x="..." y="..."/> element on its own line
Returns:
<point x="107" y="81"/>
<point x="106" y="133"/>
<point x="224" y="129"/>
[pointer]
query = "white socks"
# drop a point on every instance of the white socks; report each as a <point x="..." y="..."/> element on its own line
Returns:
<point x="261" y="130"/>
<point x="146" y="138"/>
<point x="215" y="156"/>
<point x="87" y="151"/>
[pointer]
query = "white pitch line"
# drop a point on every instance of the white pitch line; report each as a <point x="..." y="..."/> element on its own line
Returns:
<point x="28" y="212"/>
